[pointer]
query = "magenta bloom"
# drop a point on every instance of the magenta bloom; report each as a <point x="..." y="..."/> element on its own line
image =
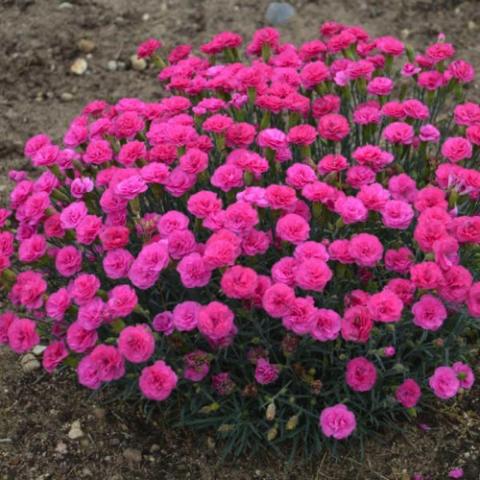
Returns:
<point x="444" y="382"/>
<point x="157" y="381"/>
<point x="265" y="372"/>
<point x="361" y="374"/>
<point x="408" y="393"/>
<point x="136" y="343"/>
<point x="337" y="422"/>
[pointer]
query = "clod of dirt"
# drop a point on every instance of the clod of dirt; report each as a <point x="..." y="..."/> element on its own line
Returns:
<point x="86" y="46"/>
<point x="132" y="455"/>
<point x="75" y="431"/>
<point x="29" y="363"/>
<point x="79" y="66"/>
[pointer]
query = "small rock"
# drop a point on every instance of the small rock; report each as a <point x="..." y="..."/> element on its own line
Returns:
<point x="38" y="349"/>
<point x="146" y="17"/>
<point x="121" y="65"/>
<point x="472" y="25"/>
<point x="75" y="431"/>
<point x="405" y="33"/>
<point x="154" y="448"/>
<point x="132" y="455"/>
<point x="86" y="46"/>
<point x="65" y="6"/>
<point x="29" y="363"/>
<point x="66" y="97"/>
<point x="79" y="66"/>
<point x="61" y="448"/>
<point x="279" y="13"/>
<point x="112" y="65"/>
<point x="138" y="63"/>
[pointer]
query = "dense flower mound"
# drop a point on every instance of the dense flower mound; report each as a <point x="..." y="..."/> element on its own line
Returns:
<point x="285" y="248"/>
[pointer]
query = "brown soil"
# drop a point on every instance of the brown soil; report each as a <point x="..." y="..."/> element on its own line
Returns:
<point x="39" y="42"/>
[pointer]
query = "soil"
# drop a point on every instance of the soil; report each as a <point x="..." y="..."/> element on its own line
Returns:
<point x="38" y="93"/>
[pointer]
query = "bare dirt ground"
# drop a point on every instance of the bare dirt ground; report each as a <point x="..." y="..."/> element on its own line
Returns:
<point x="39" y="40"/>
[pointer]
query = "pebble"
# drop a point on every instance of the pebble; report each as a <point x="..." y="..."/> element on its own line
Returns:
<point x="29" y="363"/>
<point x="472" y="25"/>
<point x="75" y="431"/>
<point x="138" y="64"/>
<point x="65" y="6"/>
<point x="66" y="97"/>
<point x="405" y="33"/>
<point x="39" y="349"/>
<point x="79" y="66"/>
<point x="132" y="455"/>
<point x="279" y="13"/>
<point x="86" y="46"/>
<point x="86" y="472"/>
<point x="61" y="448"/>
<point x="112" y="65"/>
<point x="146" y="17"/>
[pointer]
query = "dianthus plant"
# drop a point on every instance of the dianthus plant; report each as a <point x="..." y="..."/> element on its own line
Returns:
<point x="283" y="249"/>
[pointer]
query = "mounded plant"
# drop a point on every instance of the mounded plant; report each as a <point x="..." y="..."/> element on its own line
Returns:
<point x="284" y="249"/>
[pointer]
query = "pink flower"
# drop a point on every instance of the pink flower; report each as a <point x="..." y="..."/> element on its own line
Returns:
<point x="84" y="288"/>
<point x="399" y="133"/>
<point x="136" y="343"/>
<point x="473" y="300"/>
<point x="390" y="46"/>
<point x="292" y="228"/>
<point x="197" y="365"/>
<point x="357" y="324"/>
<point x="351" y="209"/>
<point x="53" y="356"/>
<point x="456" y="149"/>
<point x="277" y="300"/>
<point x="72" y="215"/>
<point x="265" y="372"/>
<point x="57" y="304"/>
<point x="365" y="249"/>
<point x="426" y="275"/>
<point x="87" y="372"/>
<point x="444" y="382"/>
<point x="239" y="282"/>
<point x="79" y="339"/>
<point x="147" y="48"/>
<point x="215" y="321"/>
<point x="397" y="214"/>
<point x="385" y="306"/>
<point x="185" y="316"/>
<point x="157" y="381"/>
<point x="302" y="135"/>
<point x="361" y="374"/>
<point x="464" y="374"/>
<point x="22" y="335"/>
<point x="313" y="274"/>
<point x="28" y="290"/>
<point x="111" y="365"/>
<point x="163" y="323"/>
<point x="408" y="393"/>
<point x="6" y="320"/>
<point x="332" y="163"/>
<point x="92" y="314"/>
<point x="380" y="86"/>
<point x="429" y="313"/>
<point x="456" y="472"/>
<point x="68" y="261"/>
<point x="333" y="127"/>
<point x="272" y="138"/>
<point x="326" y="325"/>
<point x="122" y="300"/>
<point x="117" y="263"/>
<point x="337" y="422"/>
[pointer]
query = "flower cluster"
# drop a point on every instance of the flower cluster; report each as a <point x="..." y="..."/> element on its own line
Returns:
<point x="289" y="245"/>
